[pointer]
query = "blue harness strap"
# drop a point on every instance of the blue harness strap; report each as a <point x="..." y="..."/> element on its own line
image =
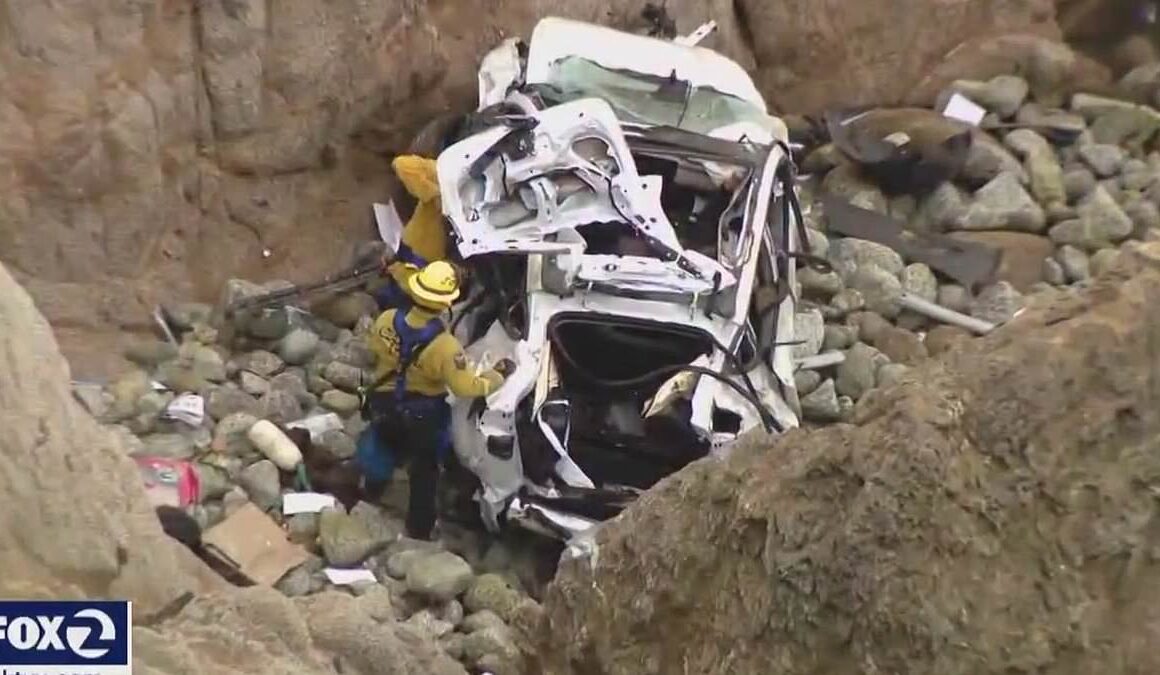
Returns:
<point x="411" y="342"/>
<point x="392" y="296"/>
<point x="408" y="255"/>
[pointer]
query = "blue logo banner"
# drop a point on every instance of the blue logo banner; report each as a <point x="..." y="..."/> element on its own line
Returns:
<point x="66" y="636"/>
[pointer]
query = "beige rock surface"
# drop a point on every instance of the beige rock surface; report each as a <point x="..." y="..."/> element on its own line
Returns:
<point x="968" y="522"/>
<point x="150" y="150"/>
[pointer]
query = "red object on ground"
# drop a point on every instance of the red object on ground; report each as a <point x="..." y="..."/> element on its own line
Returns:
<point x="169" y="482"/>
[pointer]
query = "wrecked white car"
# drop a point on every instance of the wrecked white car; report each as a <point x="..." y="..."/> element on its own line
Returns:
<point x="626" y="208"/>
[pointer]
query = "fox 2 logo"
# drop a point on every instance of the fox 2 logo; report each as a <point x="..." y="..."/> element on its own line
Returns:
<point x="89" y="636"/>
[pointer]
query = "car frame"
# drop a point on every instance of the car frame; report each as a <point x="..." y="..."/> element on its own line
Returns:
<point x="575" y="245"/>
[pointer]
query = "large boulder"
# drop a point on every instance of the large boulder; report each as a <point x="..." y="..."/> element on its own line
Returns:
<point x="967" y="521"/>
<point x="76" y="523"/>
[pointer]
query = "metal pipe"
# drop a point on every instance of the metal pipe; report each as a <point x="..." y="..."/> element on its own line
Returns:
<point x="159" y="319"/>
<point x="940" y="313"/>
<point x="823" y="360"/>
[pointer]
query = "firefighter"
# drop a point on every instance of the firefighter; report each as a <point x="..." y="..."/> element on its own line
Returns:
<point x="424" y="236"/>
<point x="417" y="362"/>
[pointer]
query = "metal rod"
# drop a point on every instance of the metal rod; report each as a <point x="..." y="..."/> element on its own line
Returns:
<point x="940" y="313"/>
<point x="823" y="360"/>
<point x="159" y="318"/>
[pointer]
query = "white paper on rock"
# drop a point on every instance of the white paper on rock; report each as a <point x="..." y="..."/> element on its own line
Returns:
<point x="341" y="577"/>
<point x="965" y="110"/>
<point x="318" y="425"/>
<point x="188" y="408"/>
<point x="390" y="225"/>
<point x="305" y="502"/>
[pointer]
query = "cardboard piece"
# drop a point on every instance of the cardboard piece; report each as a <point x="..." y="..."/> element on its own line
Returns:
<point x="249" y="542"/>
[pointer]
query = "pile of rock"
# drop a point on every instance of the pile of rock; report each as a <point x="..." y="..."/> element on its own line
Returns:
<point x="1057" y="191"/>
<point x="282" y="365"/>
<point x="482" y="620"/>
<point x="286" y="365"/>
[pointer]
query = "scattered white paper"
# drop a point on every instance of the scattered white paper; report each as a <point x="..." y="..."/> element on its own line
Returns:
<point x="157" y="386"/>
<point x="965" y="110"/>
<point x="318" y="425"/>
<point x="305" y="502"/>
<point x="341" y="577"/>
<point x="389" y="224"/>
<point x="188" y="408"/>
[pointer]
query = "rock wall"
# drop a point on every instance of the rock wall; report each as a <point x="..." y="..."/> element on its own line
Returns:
<point x="75" y="523"/>
<point x="150" y="150"/>
<point x="968" y="521"/>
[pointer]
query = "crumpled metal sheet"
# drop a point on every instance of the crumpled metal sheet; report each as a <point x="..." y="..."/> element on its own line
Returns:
<point x="968" y="263"/>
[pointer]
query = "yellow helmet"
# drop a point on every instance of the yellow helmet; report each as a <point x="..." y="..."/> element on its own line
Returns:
<point x="435" y="286"/>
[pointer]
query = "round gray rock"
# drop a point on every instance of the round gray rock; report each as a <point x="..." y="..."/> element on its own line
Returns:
<point x="823" y="284"/>
<point x="440" y="576"/>
<point x="890" y="374"/>
<point x="340" y="402"/>
<point x="1103" y="260"/>
<point x="229" y="436"/>
<point x="1053" y="272"/>
<point x="839" y="337"/>
<point x="953" y="296"/>
<point x="260" y="480"/>
<point x="858" y="373"/>
<point x="849" y="255"/>
<point x="806" y="381"/>
<point x="1003" y="204"/>
<point x="1078" y="183"/>
<point x="821" y="405"/>
<point x="917" y="279"/>
<point x="261" y="362"/>
<point x="809" y="327"/>
<point x="280" y="407"/>
<point x="343" y="376"/>
<point x="879" y="288"/>
<point x="1104" y="159"/>
<point x="298" y="346"/>
<point x="345" y="539"/>
<point x="1073" y="263"/>
<point x="997" y="303"/>
<point x="254" y="385"/>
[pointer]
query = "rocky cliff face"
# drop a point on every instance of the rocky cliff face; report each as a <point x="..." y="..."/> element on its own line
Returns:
<point x="968" y="521"/>
<point x="75" y="523"/>
<point x="151" y="149"/>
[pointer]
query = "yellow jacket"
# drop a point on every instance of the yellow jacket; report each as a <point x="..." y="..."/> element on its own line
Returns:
<point x="424" y="232"/>
<point x="440" y="367"/>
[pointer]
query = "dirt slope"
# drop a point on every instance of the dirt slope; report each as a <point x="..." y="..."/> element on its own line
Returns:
<point x="75" y="523"/>
<point x="150" y="150"/>
<point x="994" y="513"/>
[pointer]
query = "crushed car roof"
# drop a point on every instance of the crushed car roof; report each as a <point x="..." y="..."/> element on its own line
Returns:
<point x="555" y="38"/>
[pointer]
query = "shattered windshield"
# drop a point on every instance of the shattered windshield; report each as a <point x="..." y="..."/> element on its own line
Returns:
<point x="647" y="99"/>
